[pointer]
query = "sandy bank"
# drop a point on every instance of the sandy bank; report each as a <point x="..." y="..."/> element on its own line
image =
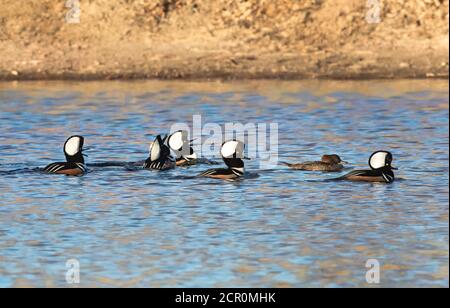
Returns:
<point x="229" y="39"/>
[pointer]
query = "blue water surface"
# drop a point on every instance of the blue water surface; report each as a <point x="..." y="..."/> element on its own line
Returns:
<point x="277" y="228"/>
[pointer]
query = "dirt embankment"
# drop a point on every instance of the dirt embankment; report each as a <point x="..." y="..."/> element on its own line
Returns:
<point x="233" y="39"/>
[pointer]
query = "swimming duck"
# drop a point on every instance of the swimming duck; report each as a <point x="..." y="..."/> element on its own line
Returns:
<point x="73" y="150"/>
<point x="232" y="153"/>
<point x="329" y="163"/>
<point x="180" y="145"/>
<point x="160" y="157"/>
<point x="381" y="171"/>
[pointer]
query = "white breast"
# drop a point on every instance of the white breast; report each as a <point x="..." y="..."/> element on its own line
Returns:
<point x="155" y="150"/>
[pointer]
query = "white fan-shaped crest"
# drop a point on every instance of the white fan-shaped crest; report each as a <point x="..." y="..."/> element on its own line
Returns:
<point x="72" y="146"/>
<point x="176" y="141"/>
<point x="232" y="148"/>
<point x="378" y="160"/>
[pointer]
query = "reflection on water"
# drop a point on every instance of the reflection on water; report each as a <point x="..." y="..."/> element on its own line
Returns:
<point x="282" y="228"/>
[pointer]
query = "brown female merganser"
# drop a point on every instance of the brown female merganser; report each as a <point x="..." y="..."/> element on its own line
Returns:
<point x="329" y="163"/>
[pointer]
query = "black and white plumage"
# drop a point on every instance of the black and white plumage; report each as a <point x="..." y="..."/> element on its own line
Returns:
<point x="160" y="156"/>
<point x="73" y="150"/>
<point x="60" y="167"/>
<point x="233" y="154"/>
<point x="381" y="171"/>
<point x="178" y="142"/>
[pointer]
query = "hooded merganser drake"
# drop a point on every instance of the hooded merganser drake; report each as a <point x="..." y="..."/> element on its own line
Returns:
<point x="160" y="156"/>
<point x="232" y="153"/>
<point x="179" y="143"/>
<point x="329" y="163"/>
<point x="382" y="171"/>
<point x="73" y="149"/>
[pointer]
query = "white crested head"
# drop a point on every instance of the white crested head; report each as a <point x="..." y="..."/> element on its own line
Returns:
<point x="232" y="149"/>
<point x="177" y="140"/>
<point x="380" y="159"/>
<point x="73" y="145"/>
